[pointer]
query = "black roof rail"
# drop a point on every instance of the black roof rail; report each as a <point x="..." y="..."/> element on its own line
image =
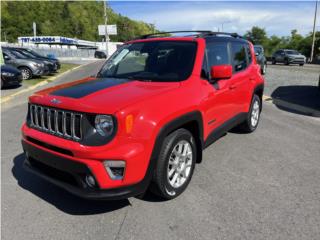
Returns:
<point x="235" y="35"/>
<point x="165" y="33"/>
<point x="199" y="33"/>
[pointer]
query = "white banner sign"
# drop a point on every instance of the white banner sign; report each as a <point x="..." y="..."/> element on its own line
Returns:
<point x="111" y="30"/>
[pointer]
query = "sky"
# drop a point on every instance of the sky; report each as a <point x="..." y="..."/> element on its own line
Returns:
<point x="276" y="17"/>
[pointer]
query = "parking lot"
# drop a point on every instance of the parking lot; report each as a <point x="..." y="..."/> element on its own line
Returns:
<point x="264" y="185"/>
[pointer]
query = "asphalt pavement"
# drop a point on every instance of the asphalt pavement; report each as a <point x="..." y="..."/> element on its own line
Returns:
<point x="264" y="185"/>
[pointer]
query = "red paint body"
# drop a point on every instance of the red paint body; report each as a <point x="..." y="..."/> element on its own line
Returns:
<point x="152" y="104"/>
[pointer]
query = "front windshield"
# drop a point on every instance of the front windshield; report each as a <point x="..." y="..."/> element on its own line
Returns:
<point x="152" y="61"/>
<point x="34" y="53"/>
<point x="25" y="53"/>
<point x="18" y="54"/>
<point x="292" y="52"/>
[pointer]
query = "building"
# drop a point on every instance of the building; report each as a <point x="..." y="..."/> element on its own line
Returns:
<point x="59" y="42"/>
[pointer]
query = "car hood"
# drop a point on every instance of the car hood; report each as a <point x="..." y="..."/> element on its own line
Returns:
<point x="100" y="95"/>
<point x="9" y="68"/>
<point x="295" y="55"/>
<point x="28" y="60"/>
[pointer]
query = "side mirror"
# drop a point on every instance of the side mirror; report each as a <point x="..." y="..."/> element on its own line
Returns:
<point x="221" y="72"/>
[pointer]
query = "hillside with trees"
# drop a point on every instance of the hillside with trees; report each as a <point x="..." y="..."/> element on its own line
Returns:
<point x="75" y="19"/>
<point x="295" y="41"/>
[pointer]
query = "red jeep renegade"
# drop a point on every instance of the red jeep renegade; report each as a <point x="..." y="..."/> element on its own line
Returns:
<point x="144" y="120"/>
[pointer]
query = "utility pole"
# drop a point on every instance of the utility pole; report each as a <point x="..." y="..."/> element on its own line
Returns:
<point x="34" y="27"/>
<point x="105" y="26"/>
<point x="314" y="31"/>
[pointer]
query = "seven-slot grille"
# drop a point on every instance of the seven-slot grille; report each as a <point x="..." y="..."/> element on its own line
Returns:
<point x="58" y="122"/>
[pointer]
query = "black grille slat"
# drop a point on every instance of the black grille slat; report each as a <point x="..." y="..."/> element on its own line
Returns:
<point x="58" y="122"/>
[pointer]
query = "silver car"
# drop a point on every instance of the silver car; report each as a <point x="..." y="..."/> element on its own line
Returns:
<point x="28" y="67"/>
<point x="288" y="56"/>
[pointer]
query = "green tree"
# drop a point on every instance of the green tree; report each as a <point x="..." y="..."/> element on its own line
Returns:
<point x="257" y="35"/>
<point x="78" y="19"/>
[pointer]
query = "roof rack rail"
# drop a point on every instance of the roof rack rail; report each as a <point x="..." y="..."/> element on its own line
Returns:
<point x="199" y="33"/>
<point x="235" y="35"/>
<point x="165" y="33"/>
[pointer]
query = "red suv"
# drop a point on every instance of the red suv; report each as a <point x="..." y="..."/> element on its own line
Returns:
<point x="144" y="120"/>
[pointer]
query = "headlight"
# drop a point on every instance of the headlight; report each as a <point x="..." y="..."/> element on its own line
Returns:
<point x="7" y="74"/>
<point x="38" y="64"/>
<point x="104" y="125"/>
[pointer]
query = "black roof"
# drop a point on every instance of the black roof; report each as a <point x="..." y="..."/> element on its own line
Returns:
<point x="199" y="34"/>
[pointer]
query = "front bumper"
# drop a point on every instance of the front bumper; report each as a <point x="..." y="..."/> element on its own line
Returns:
<point x="70" y="175"/>
<point x="39" y="71"/>
<point x="297" y="60"/>
<point x="12" y="81"/>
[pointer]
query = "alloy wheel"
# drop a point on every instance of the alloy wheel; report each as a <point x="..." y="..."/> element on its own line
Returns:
<point x="179" y="165"/>
<point x="255" y="113"/>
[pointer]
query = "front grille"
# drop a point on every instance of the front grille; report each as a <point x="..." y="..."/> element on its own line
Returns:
<point x="57" y="122"/>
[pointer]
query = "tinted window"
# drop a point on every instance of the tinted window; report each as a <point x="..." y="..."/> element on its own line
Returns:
<point x="152" y="61"/>
<point x="258" y="50"/>
<point x="204" y="70"/>
<point x="217" y="53"/>
<point x="17" y="54"/>
<point x="292" y="52"/>
<point x="239" y="59"/>
<point x="249" y="54"/>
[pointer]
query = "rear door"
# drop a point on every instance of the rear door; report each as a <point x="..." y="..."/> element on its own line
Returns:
<point x="241" y="58"/>
<point x="280" y="56"/>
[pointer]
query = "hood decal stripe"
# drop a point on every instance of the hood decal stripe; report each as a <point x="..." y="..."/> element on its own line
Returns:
<point x="85" y="88"/>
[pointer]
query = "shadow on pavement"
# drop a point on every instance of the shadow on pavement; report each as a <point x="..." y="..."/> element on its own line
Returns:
<point x="61" y="199"/>
<point x="298" y="99"/>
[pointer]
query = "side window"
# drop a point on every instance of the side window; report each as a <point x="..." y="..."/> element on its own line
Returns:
<point x="217" y="53"/>
<point x="239" y="59"/>
<point x="204" y="69"/>
<point x="249" y="54"/>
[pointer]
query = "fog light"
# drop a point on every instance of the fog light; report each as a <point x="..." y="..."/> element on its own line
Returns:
<point x="90" y="181"/>
<point x="115" y="169"/>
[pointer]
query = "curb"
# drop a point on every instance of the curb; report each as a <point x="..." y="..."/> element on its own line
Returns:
<point x="42" y="83"/>
<point x="295" y="107"/>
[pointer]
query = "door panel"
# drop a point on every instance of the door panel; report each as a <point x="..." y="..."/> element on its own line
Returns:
<point x="218" y="103"/>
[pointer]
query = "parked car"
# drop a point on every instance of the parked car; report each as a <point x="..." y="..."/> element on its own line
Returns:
<point x="100" y="54"/>
<point x="288" y="56"/>
<point x="53" y="64"/>
<point x="28" y="67"/>
<point x="261" y="58"/>
<point x="10" y="76"/>
<point x="48" y="66"/>
<point x="55" y="61"/>
<point x="144" y="120"/>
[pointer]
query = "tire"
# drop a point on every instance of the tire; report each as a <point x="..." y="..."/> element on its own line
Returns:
<point x="264" y="69"/>
<point x="274" y="62"/>
<point x="251" y="122"/>
<point x="286" y="62"/>
<point x="301" y="64"/>
<point x="2" y="84"/>
<point x="171" y="167"/>
<point x="26" y="73"/>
